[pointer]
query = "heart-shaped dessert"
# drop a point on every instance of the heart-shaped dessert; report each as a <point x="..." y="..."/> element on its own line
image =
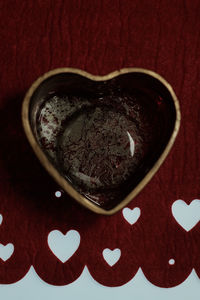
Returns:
<point x="102" y="138"/>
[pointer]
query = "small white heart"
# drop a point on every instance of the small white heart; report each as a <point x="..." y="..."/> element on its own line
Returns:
<point x="186" y="215"/>
<point x="1" y="219"/>
<point x="63" y="246"/>
<point x="111" y="256"/>
<point x="131" y="215"/>
<point x="6" y="251"/>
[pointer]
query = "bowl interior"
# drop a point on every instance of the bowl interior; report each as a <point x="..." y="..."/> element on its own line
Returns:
<point x="102" y="136"/>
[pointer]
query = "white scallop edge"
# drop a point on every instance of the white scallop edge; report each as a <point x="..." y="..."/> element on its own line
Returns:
<point x="86" y="287"/>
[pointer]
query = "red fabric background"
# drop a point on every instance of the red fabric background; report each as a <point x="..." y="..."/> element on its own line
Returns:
<point x="98" y="36"/>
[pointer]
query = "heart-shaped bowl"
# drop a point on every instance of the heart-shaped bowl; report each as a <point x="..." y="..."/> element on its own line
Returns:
<point x="102" y="138"/>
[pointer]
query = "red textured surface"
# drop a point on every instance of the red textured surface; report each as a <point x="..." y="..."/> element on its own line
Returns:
<point x="98" y="36"/>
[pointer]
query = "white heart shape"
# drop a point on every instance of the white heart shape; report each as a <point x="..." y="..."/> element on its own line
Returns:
<point x="186" y="215"/>
<point x="63" y="246"/>
<point x="131" y="215"/>
<point x="1" y="219"/>
<point x="111" y="256"/>
<point x="6" y="251"/>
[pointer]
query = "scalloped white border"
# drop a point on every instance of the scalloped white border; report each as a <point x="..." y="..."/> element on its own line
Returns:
<point x="32" y="287"/>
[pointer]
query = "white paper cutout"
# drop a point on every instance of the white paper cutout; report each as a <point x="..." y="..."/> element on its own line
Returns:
<point x="131" y="215"/>
<point x="32" y="287"/>
<point x="58" y="194"/>
<point x="186" y="215"/>
<point x="171" y="262"/>
<point x="63" y="246"/>
<point x="111" y="256"/>
<point x="6" y="251"/>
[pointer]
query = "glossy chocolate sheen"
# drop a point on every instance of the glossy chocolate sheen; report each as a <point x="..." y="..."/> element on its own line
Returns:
<point x="105" y="136"/>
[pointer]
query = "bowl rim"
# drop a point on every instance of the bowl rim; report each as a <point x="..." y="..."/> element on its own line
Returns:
<point x="54" y="172"/>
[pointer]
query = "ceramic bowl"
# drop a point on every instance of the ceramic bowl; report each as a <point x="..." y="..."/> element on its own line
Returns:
<point x="102" y="138"/>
